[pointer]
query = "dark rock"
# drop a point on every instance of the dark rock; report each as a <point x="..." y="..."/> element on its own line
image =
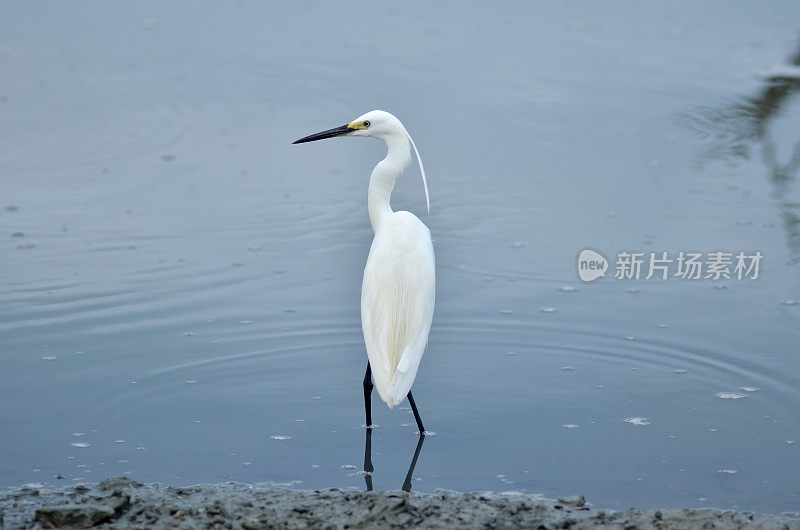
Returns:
<point x="118" y="484"/>
<point x="74" y="515"/>
<point x="26" y="491"/>
<point x="253" y="524"/>
<point x="119" y="502"/>
<point x="577" y="501"/>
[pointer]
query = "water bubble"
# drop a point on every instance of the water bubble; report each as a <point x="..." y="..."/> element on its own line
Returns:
<point x="567" y="289"/>
<point x="570" y="426"/>
<point x="749" y="388"/>
<point x="663" y="326"/>
<point x="119" y="441"/>
<point x="517" y="244"/>
<point x="567" y="368"/>
<point x="245" y="322"/>
<point x="680" y="370"/>
<point x="289" y="310"/>
<point x="280" y="437"/>
<point x="188" y="334"/>
<point x="510" y="353"/>
<point x="349" y="467"/>
<point x="727" y="471"/>
<point x="720" y="286"/>
<point x="548" y="309"/>
<point x="789" y="302"/>
<point x="730" y="395"/>
<point x="632" y="290"/>
<point x="428" y="433"/>
<point x="639" y="421"/>
<point x="506" y="311"/>
<point x="612" y="215"/>
<point x="630" y="337"/>
<point x="50" y="358"/>
<point x="77" y="434"/>
<point x="80" y="444"/>
<point x="191" y="381"/>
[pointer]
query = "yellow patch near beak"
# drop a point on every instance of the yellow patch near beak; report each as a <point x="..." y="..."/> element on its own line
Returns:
<point x="357" y="125"/>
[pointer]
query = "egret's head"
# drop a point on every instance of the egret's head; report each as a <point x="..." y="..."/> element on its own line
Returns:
<point x="375" y="123"/>
<point x="378" y="124"/>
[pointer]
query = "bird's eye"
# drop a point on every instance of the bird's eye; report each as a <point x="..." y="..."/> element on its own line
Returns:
<point x="366" y="124"/>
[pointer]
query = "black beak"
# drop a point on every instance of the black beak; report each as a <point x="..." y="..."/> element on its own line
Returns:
<point x="330" y="133"/>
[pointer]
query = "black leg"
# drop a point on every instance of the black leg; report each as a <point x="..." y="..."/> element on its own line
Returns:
<point x="407" y="483"/>
<point x="416" y="414"/>
<point x="368" y="459"/>
<point x="368" y="395"/>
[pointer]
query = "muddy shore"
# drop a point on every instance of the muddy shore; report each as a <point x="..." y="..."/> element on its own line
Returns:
<point x="123" y="503"/>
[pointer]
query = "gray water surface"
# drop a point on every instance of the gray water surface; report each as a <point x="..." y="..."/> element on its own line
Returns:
<point x="179" y="288"/>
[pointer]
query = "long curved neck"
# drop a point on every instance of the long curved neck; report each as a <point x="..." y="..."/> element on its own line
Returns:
<point x="383" y="177"/>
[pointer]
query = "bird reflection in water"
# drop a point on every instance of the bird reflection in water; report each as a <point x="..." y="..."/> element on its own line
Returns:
<point x="368" y="467"/>
<point x="734" y="130"/>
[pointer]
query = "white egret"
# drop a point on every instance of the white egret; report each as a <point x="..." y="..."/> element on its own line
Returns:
<point x="397" y="293"/>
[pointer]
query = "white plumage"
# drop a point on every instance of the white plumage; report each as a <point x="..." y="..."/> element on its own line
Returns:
<point x="397" y="298"/>
<point x="398" y="291"/>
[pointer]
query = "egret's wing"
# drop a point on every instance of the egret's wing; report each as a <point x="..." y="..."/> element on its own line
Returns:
<point x="397" y="299"/>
